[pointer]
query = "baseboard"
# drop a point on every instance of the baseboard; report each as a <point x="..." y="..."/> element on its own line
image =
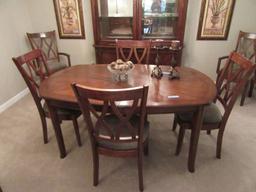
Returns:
<point x="13" y="100"/>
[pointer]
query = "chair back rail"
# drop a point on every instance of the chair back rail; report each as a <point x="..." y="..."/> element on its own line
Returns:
<point x="246" y="45"/>
<point x="33" y="69"/>
<point x="136" y="50"/>
<point x="231" y="83"/>
<point x="111" y="100"/>
<point x="46" y="41"/>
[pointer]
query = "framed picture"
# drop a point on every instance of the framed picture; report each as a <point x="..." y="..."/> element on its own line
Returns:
<point x="69" y="16"/>
<point x="215" y="19"/>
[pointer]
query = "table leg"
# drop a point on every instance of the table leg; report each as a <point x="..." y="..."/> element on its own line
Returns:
<point x="57" y="129"/>
<point x="195" y="131"/>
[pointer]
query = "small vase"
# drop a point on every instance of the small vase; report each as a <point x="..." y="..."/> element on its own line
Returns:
<point x="215" y="19"/>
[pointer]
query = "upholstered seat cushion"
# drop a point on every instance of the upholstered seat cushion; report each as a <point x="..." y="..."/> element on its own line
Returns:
<point x="62" y="112"/>
<point x="107" y="143"/>
<point x="55" y="65"/>
<point x="212" y="114"/>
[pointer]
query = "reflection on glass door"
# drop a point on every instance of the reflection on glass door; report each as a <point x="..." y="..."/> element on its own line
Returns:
<point x="159" y="19"/>
<point x="115" y="18"/>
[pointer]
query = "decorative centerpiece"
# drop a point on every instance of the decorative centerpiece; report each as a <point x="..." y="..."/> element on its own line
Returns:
<point x="157" y="71"/>
<point x="120" y="69"/>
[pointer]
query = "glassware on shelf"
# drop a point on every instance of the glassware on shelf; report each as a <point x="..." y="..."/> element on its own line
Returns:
<point x="115" y="18"/>
<point x="159" y="18"/>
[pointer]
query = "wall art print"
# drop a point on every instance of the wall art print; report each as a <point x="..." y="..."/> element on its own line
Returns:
<point x="215" y="19"/>
<point x="69" y="16"/>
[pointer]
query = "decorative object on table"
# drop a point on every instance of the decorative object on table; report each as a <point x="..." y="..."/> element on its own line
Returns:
<point x="173" y="73"/>
<point x="120" y="69"/>
<point x="157" y="71"/>
<point x="215" y="19"/>
<point x="175" y="49"/>
<point x="69" y="16"/>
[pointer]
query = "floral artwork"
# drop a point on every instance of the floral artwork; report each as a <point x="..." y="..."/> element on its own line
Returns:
<point x="69" y="17"/>
<point x="215" y="19"/>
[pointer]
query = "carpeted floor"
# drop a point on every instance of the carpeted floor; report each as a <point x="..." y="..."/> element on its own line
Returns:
<point x="28" y="165"/>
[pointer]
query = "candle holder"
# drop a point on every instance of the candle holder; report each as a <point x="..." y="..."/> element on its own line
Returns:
<point x="157" y="71"/>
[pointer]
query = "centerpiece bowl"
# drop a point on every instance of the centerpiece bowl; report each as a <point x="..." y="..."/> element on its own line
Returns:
<point x="120" y="69"/>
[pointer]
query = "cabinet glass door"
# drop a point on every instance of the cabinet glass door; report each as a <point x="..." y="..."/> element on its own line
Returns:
<point x="115" y="19"/>
<point x="159" y="18"/>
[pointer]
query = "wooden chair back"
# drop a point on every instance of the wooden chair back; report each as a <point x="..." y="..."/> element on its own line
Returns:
<point x="47" y="42"/>
<point x="121" y="129"/>
<point x="33" y="69"/>
<point x="136" y="50"/>
<point x="246" y="45"/>
<point x="231" y="83"/>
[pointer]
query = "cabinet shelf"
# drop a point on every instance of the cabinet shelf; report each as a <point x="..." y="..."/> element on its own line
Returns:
<point x="165" y="15"/>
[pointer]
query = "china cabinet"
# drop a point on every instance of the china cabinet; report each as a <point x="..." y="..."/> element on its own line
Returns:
<point x="162" y="21"/>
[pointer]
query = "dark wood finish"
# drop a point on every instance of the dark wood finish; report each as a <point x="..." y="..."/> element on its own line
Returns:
<point x="105" y="47"/>
<point x="229" y="85"/>
<point x="194" y="88"/>
<point x="107" y="54"/>
<point x="246" y="45"/>
<point x="34" y="70"/>
<point x="128" y="50"/>
<point x="114" y="126"/>
<point x="47" y="42"/>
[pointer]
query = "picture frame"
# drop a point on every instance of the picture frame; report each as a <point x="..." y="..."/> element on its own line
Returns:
<point x="70" y="20"/>
<point x="215" y="19"/>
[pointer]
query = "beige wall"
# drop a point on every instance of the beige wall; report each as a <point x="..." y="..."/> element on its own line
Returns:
<point x="43" y="19"/>
<point x="15" y="21"/>
<point x="203" y="55"/>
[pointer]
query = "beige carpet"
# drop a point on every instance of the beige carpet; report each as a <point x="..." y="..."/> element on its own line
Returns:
<point x="27" y="165"/>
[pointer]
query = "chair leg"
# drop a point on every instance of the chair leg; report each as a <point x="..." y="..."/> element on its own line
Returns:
<point x="175" y="123"/>
<point x="44" y="127"/>
<point x="244" y="94"/>
<point x="146" y="148"/>
<point x="140" y="169"/>
<point x="95" y="167"/>
<point x="251" y="88"/>
<point x="180" y="140"/>
<point x="208" y="132"/>
<point x="219" y="144"/>
<point x="76" y="128"/>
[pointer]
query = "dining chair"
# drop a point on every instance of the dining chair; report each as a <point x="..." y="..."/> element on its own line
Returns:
<point x="138" y="51"/>
<point x="246" y="45"/>
<point x="47" y="42"/>
<point x="115" y="130"/>
<point x="34" y="70"/>
<point x="229" y="85"/>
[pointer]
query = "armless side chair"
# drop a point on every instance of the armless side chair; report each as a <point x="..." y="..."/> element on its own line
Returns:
<point x="34" y="70"/>
<point x="246" y="46"/>
<point x="229" y="85"/>
<point x="115" y="131"/>
<point x="136" y="50"/>
<point x="47" y="42"/>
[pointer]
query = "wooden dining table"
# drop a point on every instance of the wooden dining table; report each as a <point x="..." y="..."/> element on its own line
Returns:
<point x="190" y="93"/>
